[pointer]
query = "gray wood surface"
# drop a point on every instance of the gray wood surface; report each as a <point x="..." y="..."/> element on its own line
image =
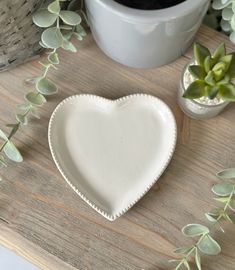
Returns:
<point x="50" y="225"/>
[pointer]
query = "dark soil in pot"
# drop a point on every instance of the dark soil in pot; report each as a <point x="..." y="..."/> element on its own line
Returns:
<point x="149" y="4"/>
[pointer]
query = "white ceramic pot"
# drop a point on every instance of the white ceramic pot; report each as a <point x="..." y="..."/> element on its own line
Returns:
<point x="144" y="38"/>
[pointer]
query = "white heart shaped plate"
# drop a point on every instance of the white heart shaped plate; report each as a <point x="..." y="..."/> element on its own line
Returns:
<point x="111" y="152"/>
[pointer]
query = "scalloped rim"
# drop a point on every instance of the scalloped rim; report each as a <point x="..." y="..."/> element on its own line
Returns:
<point x="93" y="205"/>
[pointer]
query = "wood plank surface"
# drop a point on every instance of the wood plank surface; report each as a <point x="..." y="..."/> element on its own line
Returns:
<point x="46" y="222"/>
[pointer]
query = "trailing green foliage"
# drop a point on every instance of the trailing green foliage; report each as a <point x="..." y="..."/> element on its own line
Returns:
<point x="213" y="74"/>
<point x="205" y="243"/>
<point x="62" y="26"/>
<point x="228" y="16"/>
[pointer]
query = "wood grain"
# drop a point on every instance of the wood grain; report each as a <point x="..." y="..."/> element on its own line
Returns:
<point x="50" y="225"/>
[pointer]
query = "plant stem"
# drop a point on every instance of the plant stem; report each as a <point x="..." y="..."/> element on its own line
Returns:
<point x="186" y="257"/>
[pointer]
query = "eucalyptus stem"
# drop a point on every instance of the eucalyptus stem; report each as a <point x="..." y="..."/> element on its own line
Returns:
<point x="206" y="244"/>
<point x="60" y="26"/>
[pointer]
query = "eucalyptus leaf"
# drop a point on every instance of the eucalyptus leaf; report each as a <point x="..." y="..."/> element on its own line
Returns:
<point x="210" y="218"/>
<point x="78" y="36"/>
<point x="12" y="152"/>
<point x="24" y="106"/>
<point x="32" y="80"/>
<point x="198" y="260"/>
<point x="222" y="199"/>
<point x="215" y="212"/>
<point x="80" y="30"/>
<point x="54" y="7"/>
<point x="227" y="174"/>
<point x="192" y="230"/>
<point x="44" y="18"/>
<point x="223" y="189"/>
<point x="3" y="135"/>
<point x="52" y="37"/>
<point x="70" y="17"/>
<point x="46" y="86"/>
<point x="53" y="58"/>
<point x="36" y="99"/>
<point x="22" y="119"/>
<point x="67" y="45"/>
<point x="43" y="45"/>
<point x="75" y="5"/>
<point x="35" y="113"/>
<point x="209" y="246"/>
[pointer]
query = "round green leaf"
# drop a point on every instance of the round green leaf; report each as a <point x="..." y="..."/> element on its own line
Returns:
<point x="80" y="30"/>
<point x="210" y="218"/>
<point x="192" y="230"/>
<point x="46" y="86"/>
<point x="54" y="7"/>
<point x="32" y="80"/>
<point x="67" y="45"/>
<point x="78" y="36"/>
<point x="44" y="18"/>
<point x="227" y="14"/>
<point x="227" y="174"/>
<point x="3" y="135"/>
<point x="209" y="246"/>
<point x="35" y="113"/>
<point x="35" y="98"/>
<point x="53" y="58"/>
<point x="43" y="45"/>
<point x="22" y="119"/>
<point x="52" y="37"/>
<point x="24" y="107"/>
<point x="12" y="152"/>
<point x="223" y="189"/>
<point x="70" y="17"/>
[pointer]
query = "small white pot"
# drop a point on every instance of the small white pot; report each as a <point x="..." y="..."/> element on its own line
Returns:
<point x="144" y="38"/>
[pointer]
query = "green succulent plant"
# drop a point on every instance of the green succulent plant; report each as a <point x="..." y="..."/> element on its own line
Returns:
<point x="213" y="73"/>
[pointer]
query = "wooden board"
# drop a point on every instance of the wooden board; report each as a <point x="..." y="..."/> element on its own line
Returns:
<point x="50" y="225"/>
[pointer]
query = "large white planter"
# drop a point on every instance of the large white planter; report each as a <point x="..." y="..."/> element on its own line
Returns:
<point x="144" y="38"/>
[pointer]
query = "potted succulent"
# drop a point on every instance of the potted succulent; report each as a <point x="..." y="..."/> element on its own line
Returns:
<point x="142" y="33"/>
<point x="206" y="86"/>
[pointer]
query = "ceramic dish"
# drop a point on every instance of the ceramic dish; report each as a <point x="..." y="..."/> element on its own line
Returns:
<point x="112" y="152"/>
